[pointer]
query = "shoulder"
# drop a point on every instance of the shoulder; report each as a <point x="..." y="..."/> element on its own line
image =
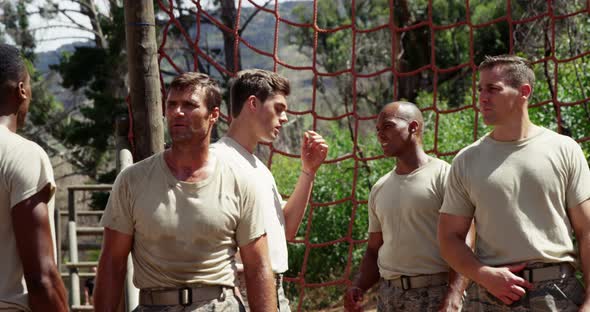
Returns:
<point x="440" y="167"/>
<point x="17" y="149"/>
<point x="141" y="168"/>
<point x="439" y="163"/>
<point x="470" y="152"/>
<point x="557" y="139"/>
<point x="382" y="181"/>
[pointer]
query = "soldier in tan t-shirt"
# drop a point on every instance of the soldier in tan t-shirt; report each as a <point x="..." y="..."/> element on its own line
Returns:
<point x="528" y="189"/>
<point x="403" y="214"/>
<point x="29" y="278"/>
<point x="182" y="214"/>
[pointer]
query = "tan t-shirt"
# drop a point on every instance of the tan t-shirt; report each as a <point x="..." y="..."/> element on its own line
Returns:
<point x="183" y="233"/>
<point x="405" y="209"/>
<point x="248" y="165"/>
<point x="25" y="170"/>
<point x="518" y="193"/>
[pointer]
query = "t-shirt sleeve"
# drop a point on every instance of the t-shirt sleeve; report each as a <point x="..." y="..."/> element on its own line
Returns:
<point x="456" y="200"/>
<point x="374" y="224"/>
<point x="441" y="182"/>
<point x="578" y="184"/>
<point x="117" y="214"/>
<point x="30" y="173"/>
<point x="251" y="224"/>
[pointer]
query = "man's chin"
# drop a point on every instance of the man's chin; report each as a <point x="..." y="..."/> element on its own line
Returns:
<point x="268" y="139"/>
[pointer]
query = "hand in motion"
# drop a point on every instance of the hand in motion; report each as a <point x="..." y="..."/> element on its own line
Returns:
<point x="353" y="299"/>
<point x="504" y="284"/>
<point x="314" y="150"/>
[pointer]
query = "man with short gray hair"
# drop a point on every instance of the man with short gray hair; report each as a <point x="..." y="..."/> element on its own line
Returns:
<point x="182" y="214"/>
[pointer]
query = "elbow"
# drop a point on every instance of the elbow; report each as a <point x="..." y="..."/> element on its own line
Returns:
<point x="42" y="283"/>
<point x="290" y="235"/>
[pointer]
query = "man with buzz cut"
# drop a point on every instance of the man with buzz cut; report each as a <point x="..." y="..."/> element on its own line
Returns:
<point x="182" y="214"/>
<point x="29" y="278"/>
<point x="258" y="104"/>
<point x="402" y="251"/>
<point x="528" y="190"/>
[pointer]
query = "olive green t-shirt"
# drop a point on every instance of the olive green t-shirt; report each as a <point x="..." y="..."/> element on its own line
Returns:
<point x="183" y="233"/>
<point x="405" y="209"/>
<point x="519" y="193"/>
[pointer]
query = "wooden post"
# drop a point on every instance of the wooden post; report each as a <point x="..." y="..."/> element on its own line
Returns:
<point x="144" y="78"/>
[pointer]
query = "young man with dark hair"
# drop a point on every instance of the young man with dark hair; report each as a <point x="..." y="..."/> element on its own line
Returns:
<point x="29" y="279"/>
<point x="402" y="251"/>
<point x="259" y="109"/>
<point x="182" y="214"/>
<point x="527" y="189"/>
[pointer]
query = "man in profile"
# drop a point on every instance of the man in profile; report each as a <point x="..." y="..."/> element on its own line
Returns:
<point x="528" y="189"/>
<point x="402" y="251"/>
<point x="29" y="279"/>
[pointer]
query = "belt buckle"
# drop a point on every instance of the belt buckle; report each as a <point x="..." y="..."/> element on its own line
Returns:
<point x="527" y="274"/>
<point x="405" y="281"/>
<point x="185" y="296"/>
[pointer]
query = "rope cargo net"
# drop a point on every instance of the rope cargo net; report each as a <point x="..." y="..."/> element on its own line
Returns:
<point x="345" y="60"/>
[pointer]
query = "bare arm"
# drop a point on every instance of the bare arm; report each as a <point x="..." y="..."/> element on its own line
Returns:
<point x="260" y="283"/>
<point x="453" y="300"/>
<point x="580" y="220"/>
<point x="313" y="152"/>
<point x="500" y="281"/>
<point x="112" y="267"/>
<point x="30" y="219"/>
<point x="368" y="275"/>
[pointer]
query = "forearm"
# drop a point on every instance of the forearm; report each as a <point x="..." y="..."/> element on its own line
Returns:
<point x="584" y="248"/>
<point x="109" y="285"/>
<point x="294" y="209"/>
<point x="260" y="286"/>
<point x="457" y="283"/>
<point x="369" y="272"/>
<point x="47" y="292"/>
<point x="453" y="300"/>
<point x="460" y="257"/>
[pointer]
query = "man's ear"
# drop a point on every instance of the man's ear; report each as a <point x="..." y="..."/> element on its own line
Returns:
<point x="21" y="91"/>
<point x="413" y="126"/>
<point x="526" y="90"/>
<point x="252" y="102"/>
<point x="214" y="115"/>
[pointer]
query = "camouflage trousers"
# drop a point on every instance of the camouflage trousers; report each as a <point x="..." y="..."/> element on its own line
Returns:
<point x="227" y="303"/>
<point x="561" y="295"/>
<point x="283" y="301"/>
<point x="422" y="299"/>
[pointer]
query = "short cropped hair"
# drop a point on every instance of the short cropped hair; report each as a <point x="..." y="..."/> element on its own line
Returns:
<point x="12" y="65"/>
<point x="258" y="82"/>
<point x="193" y="81"/>
<point x="517" y="70"/>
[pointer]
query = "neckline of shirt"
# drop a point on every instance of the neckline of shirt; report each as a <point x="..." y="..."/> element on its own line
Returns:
<point x="174" y="182"/>
<point x="488" y="139"/>
<point x="431" y="160"/>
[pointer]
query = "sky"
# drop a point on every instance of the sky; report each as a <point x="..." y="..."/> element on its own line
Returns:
<point x="52" y="37"/>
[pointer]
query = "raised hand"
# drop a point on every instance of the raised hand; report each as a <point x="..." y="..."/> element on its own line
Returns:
<point x="314" y="150"/>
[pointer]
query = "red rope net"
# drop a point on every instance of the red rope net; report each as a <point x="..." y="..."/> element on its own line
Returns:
<point x="347" y="58"/>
